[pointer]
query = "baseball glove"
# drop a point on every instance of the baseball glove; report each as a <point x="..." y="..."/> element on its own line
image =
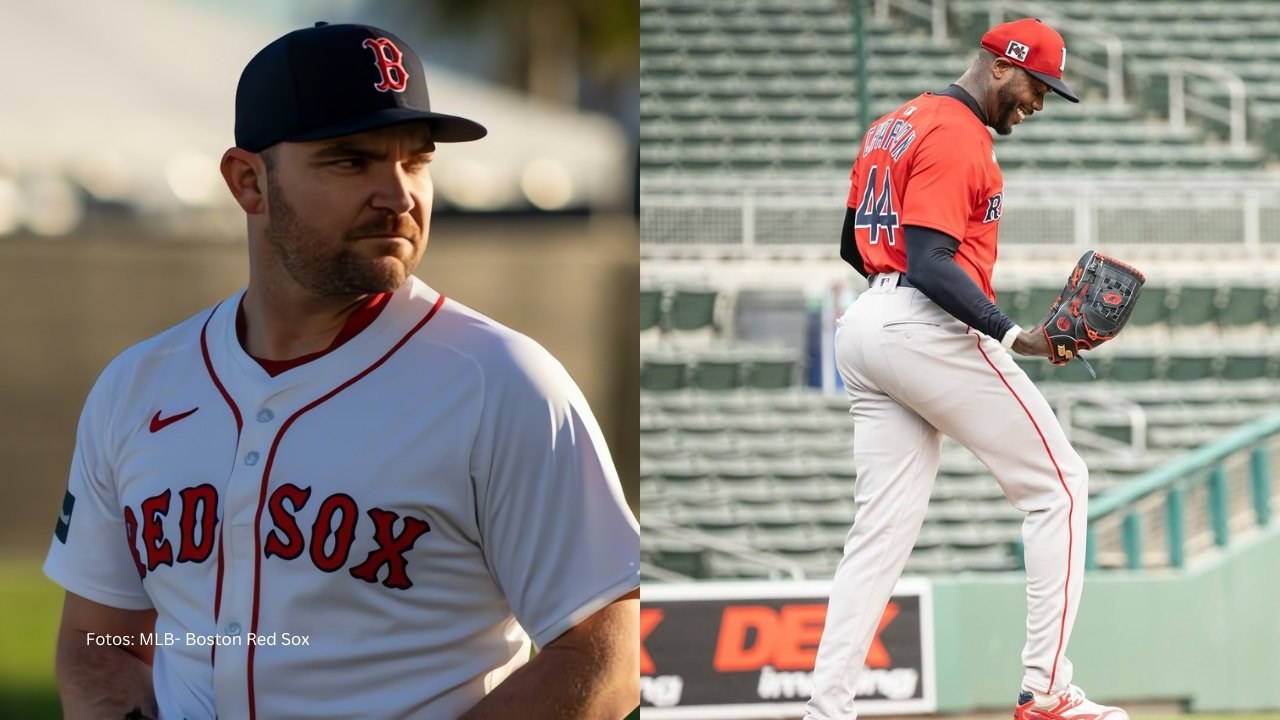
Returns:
<point x="1093" y="307"/>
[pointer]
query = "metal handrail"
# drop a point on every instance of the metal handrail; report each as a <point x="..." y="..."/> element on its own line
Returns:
<point x="728" y="547"/>
<point x="935" y="12"/>
<point x="1164" y="492"/>
<point x="1196" y="460"/>
<point x="1179" y="103"/>
<point x="1112" y="75"/>
<point x="1137" y="417"/>
<point x="1251" y="195"/>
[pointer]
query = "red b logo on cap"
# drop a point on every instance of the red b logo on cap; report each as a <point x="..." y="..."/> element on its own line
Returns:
<point x="387" y="57"/>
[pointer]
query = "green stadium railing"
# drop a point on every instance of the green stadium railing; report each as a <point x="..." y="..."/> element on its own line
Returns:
<point x="1245" y="453"/>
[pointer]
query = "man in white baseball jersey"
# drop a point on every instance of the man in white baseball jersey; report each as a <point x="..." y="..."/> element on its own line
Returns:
<point x="926" y="352"/>
<point x="338" y="494"/>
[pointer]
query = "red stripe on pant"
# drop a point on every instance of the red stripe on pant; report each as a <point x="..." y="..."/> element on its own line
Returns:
<point x="1062" y="625"/>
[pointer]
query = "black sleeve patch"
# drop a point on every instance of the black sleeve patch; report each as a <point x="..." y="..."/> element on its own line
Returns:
<point x="64" y="520"/>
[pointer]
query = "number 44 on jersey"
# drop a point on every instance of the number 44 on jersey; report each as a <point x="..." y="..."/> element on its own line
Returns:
<point x="876" y="212"/>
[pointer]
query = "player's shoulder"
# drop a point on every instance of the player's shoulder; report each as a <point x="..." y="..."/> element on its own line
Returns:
<point x="501" y="354"/>
<point x="949" y="125"/>
<point x="937" y="116"/>
<point x="180" y="340"/>
<point x="946" y="113"/>
<point x="490" y="343"/>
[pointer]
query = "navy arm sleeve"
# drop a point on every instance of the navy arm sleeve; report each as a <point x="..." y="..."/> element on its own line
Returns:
<point x="932" y="269"/>
<point x="848" y="246"/>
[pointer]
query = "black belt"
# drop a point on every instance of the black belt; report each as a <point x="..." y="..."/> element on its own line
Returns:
<point x="902" y="280"/>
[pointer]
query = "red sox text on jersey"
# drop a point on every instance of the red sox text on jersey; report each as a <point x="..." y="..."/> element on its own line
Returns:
<point x="197" y="510"/>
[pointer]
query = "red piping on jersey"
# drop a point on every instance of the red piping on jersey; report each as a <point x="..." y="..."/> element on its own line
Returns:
<point x="266" y="474"/>
<point x="1071" y="509"/>
<point x="235" y="411"/>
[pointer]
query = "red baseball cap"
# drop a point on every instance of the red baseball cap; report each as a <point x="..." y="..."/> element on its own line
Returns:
<point x="1034" y="47"/>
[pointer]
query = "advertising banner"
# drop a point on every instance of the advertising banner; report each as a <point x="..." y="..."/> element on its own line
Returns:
<point x="740" y="650"/>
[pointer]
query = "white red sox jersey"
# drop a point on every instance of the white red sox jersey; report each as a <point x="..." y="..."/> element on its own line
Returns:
<point x="376" y="533"/>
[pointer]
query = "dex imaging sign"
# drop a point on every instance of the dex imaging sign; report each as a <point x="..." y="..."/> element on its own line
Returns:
<point x="746" y="650"/>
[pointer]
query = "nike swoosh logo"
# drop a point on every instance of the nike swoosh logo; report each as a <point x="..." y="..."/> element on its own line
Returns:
<point x="158" y="424"/>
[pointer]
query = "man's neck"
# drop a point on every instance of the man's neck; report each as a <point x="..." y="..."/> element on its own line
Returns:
<point x="977" y="90"/>
<point x="285" y="324"/>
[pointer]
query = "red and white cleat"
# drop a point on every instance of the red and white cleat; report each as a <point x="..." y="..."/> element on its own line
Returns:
<point x="1070" y="704"/>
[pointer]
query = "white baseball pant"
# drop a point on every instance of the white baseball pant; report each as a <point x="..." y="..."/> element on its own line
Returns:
<point x="913" y="373"/>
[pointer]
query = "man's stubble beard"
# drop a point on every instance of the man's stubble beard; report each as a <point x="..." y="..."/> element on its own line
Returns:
<point x="304" y="254"/>
<point x="1006" y="103"/>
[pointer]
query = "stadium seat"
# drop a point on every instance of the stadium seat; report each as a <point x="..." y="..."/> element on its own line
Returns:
<point x="981" y="536"/>
<point x="661" y="446"/>
<point x="841" y="472"/>
<point x="1245" y="305"/>
<point x="796" y="67"/>
<point x="663" y="373"/>
<point x="702" y="425"/>
<point x="715" y="448"/>
<point x="798" y="477"/>
<point x="729" y="567"/>
<point x="929" y="561"/>
<point x="1194" y="305"/>
<point x="690" y="561"/>
<point x="743" y="478"/>
<point x="771" y="372"/>
<point x="1152" y="307"/>
<point x="1189" y="365"/>
<point x="1039" y="299"/>
<point x="732" y="528"/>
<point x="692" y="308"/>
<point x="1242" y="366"/>
<point x="832" y="531"/>
<point x="834" y="444"/>
<point x="650" y="308"/>
<point x="717" y="372"/>
<point x="774" y="447"/>
<point x="676" y="404"/>
<point x="837" y="510"/>
<point x="1074" y="371"/>
<point x="1132" y="366"/>
<point x="773" y="520"/>
<point x="994" y="558"/>
<point x="685" y="478"/>
<point x="751" y="425"/>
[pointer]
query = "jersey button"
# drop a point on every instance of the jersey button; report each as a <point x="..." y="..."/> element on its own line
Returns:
<point x="251" y="458"/>
<point x="265" y="415"/>
<point x="233" y="629"/>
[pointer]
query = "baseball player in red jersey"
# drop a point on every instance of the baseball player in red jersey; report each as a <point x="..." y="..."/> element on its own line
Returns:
<point x="337" y="493"/>
<point x="925" y="352"/>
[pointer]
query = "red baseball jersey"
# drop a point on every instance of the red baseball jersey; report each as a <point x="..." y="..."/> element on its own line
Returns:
<point x="931" y="163"/>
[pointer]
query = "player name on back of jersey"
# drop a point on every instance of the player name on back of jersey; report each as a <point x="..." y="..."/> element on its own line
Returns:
<point x="190" y="638"/>
<point x="892" y="134"/>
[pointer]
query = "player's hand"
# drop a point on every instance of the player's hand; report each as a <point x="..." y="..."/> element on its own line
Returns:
<point x="1033" y="343"/>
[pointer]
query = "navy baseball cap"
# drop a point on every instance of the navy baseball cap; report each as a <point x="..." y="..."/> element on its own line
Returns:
<point x="331" y="80"/>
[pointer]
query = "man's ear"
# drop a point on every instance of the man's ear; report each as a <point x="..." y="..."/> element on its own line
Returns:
<point x="246" y="176"/>
<point x="1000" y="68"/>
